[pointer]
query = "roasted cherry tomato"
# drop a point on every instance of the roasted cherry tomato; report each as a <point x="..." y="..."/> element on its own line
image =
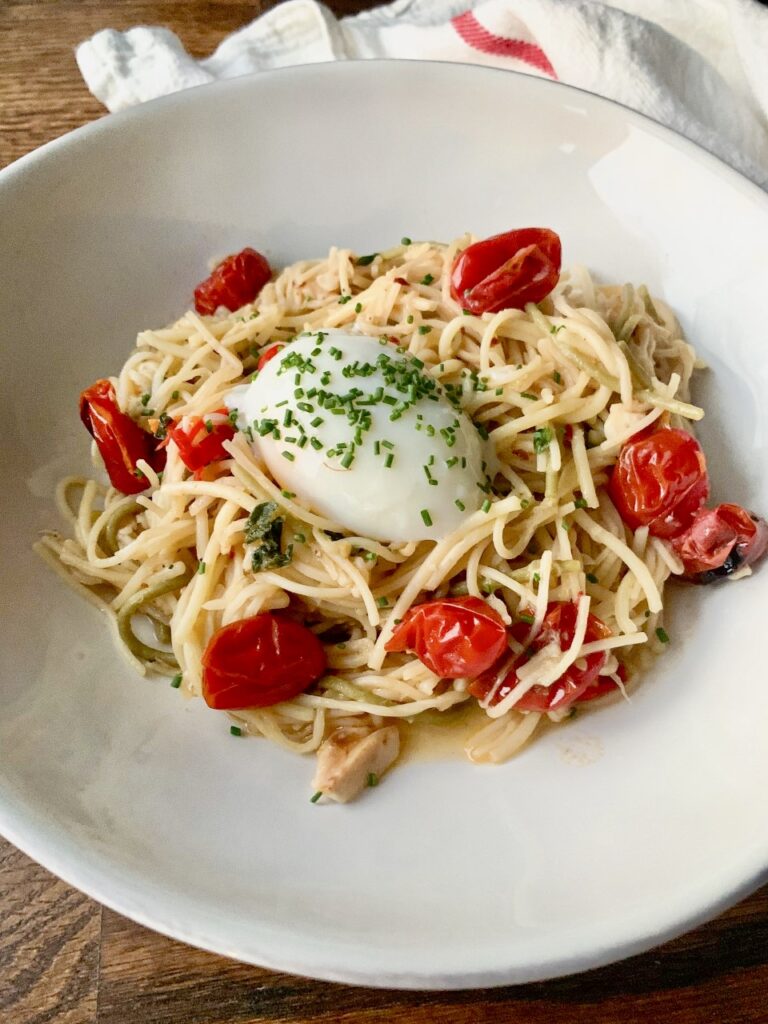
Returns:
<point x="719" y="541"/>
<point x="660" y="481"/>
<point x="454" y="637"/>
<point x="260" y="661"/>
<point x="573" y="685"/>
<point x="507" y="271"/>
<point x="120" y="440"/>
<point x="267" y="354"/>
<point x="237" y="279"/>
<point x="200" y="439"/>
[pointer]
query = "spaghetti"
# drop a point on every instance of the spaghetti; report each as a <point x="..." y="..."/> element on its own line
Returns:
<point x="557" y="388"/>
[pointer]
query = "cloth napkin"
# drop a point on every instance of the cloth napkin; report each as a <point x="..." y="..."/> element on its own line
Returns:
<point x="698" y="66"/>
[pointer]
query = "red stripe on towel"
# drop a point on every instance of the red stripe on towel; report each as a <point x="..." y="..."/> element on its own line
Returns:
<point x="479" y="38"/>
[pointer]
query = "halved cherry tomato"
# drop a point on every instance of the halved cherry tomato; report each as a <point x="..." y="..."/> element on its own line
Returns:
<point x="454" y="637"/>
<point x="267" y="354"/>
<point x="660" y="481"/>
<point x="559" y="625"/>
<point x="237" y="279"/>
<point x="719" y="541"/>
<point x="260" y="661"/>
<point x="120" y="440"/>
<point x="507" y="271"/>
<point x="200" y="439"/>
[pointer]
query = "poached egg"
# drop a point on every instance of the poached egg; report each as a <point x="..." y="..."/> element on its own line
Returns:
<point x="361" y="434"/>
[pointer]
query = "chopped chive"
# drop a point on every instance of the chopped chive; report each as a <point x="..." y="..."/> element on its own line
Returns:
<point x="209" y="426"/>
<point x="536" y="578"/>
<point x="235" y="730"/>
<point x="175" y="395"/>
<point x="528" y="395"/>
<point x="557" y="377"/>
<point x="591" y="578"/>
<point x="145" y="398"/>
<point x="316" y="796"/>
<point x="388" y="445"/>
<point x="427" y="279"/>
<point x="662" y="634"/>
<point x="409" y="318"/>
<point x="348" y="459"/>
<point x="389" y="460"/>
<point x="300" y="538"/>
<point x="580" y="503"/>
<point x="359" y="307"/>
<point x="377" y="447"/>
<point x="486" y="506"/>
<point x="201" y="568"/>
<point x="499" y="391"/>
<point x="373" y="779"/>
<point x="316" y="422"/>
<point x="460" y="505"/>
<point x="382" y="602"/>
<point x="405" y="240"/>
<point x="527" y="618"/>
<point x="426" y="517"/>
<point x="344" y="299"/>
<point x="316" y="443"/>
<point x="176" y="681"/>
<point x="288" y="494"/>
<point x="424" y="329"/>
<point x="565" y="526"/>
<point x="288" y="455"/>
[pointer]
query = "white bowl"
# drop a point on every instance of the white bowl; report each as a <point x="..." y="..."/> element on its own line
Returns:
<point x="602" y="839"/>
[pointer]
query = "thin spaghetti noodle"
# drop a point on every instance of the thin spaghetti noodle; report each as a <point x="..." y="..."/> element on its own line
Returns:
<point x="558" y="388"/>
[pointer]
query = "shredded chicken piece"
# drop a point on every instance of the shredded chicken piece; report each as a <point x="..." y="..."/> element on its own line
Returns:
<point x="347" y="761"/>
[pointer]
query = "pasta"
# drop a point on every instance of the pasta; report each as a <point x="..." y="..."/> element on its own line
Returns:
<point x="556" y="388"/>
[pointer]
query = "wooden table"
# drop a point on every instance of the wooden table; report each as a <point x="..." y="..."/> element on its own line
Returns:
<point x="66" y="960"/>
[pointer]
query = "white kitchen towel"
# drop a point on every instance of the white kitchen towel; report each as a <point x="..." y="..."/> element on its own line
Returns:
<point x="698" y="66"/>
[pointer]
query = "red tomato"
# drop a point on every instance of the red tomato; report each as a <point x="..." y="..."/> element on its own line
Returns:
<point x="267" y="354"/>
<point x="198" y="445"/>
<point x="454" y="637"/>
<point x="559" y="625"/>
<point x="507" y="271"/>
<point x="120" y="440"/>
<point x="719" y="541"/>
<point x="260" y="661"/>
<point x="660" y="481"/>
<point x="237" y="279"/>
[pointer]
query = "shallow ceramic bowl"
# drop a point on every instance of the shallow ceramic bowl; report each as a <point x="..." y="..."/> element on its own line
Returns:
<point x="604" y="838"/>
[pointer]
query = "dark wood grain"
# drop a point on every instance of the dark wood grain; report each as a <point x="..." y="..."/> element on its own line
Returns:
<point x="65" y="961"/>
<point x="49" y="946"/>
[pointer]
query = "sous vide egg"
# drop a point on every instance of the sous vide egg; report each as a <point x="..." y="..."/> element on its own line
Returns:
<point x="364" y="436"/>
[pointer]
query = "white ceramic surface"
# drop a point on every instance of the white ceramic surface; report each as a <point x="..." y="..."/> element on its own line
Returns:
<point x="606" y="837"/>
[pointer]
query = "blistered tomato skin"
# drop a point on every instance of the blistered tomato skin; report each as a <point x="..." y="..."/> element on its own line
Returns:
<point x="507" y="271"/>
<point x="260" y="661"/>
<point x="200" y="440"/>
<point x="660" y="481"/>
<point x="454" y="637"/>
<point x="236" y="280"/>
<point x="576" y="684"/>
<point x="120" y="440"/>
<point x="719" y="541"/>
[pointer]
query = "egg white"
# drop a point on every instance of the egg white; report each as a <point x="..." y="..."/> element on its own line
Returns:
<point x="365" y="497"/>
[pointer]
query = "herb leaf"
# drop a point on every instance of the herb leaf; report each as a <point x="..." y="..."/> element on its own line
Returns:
<point x="265" y="528"/>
